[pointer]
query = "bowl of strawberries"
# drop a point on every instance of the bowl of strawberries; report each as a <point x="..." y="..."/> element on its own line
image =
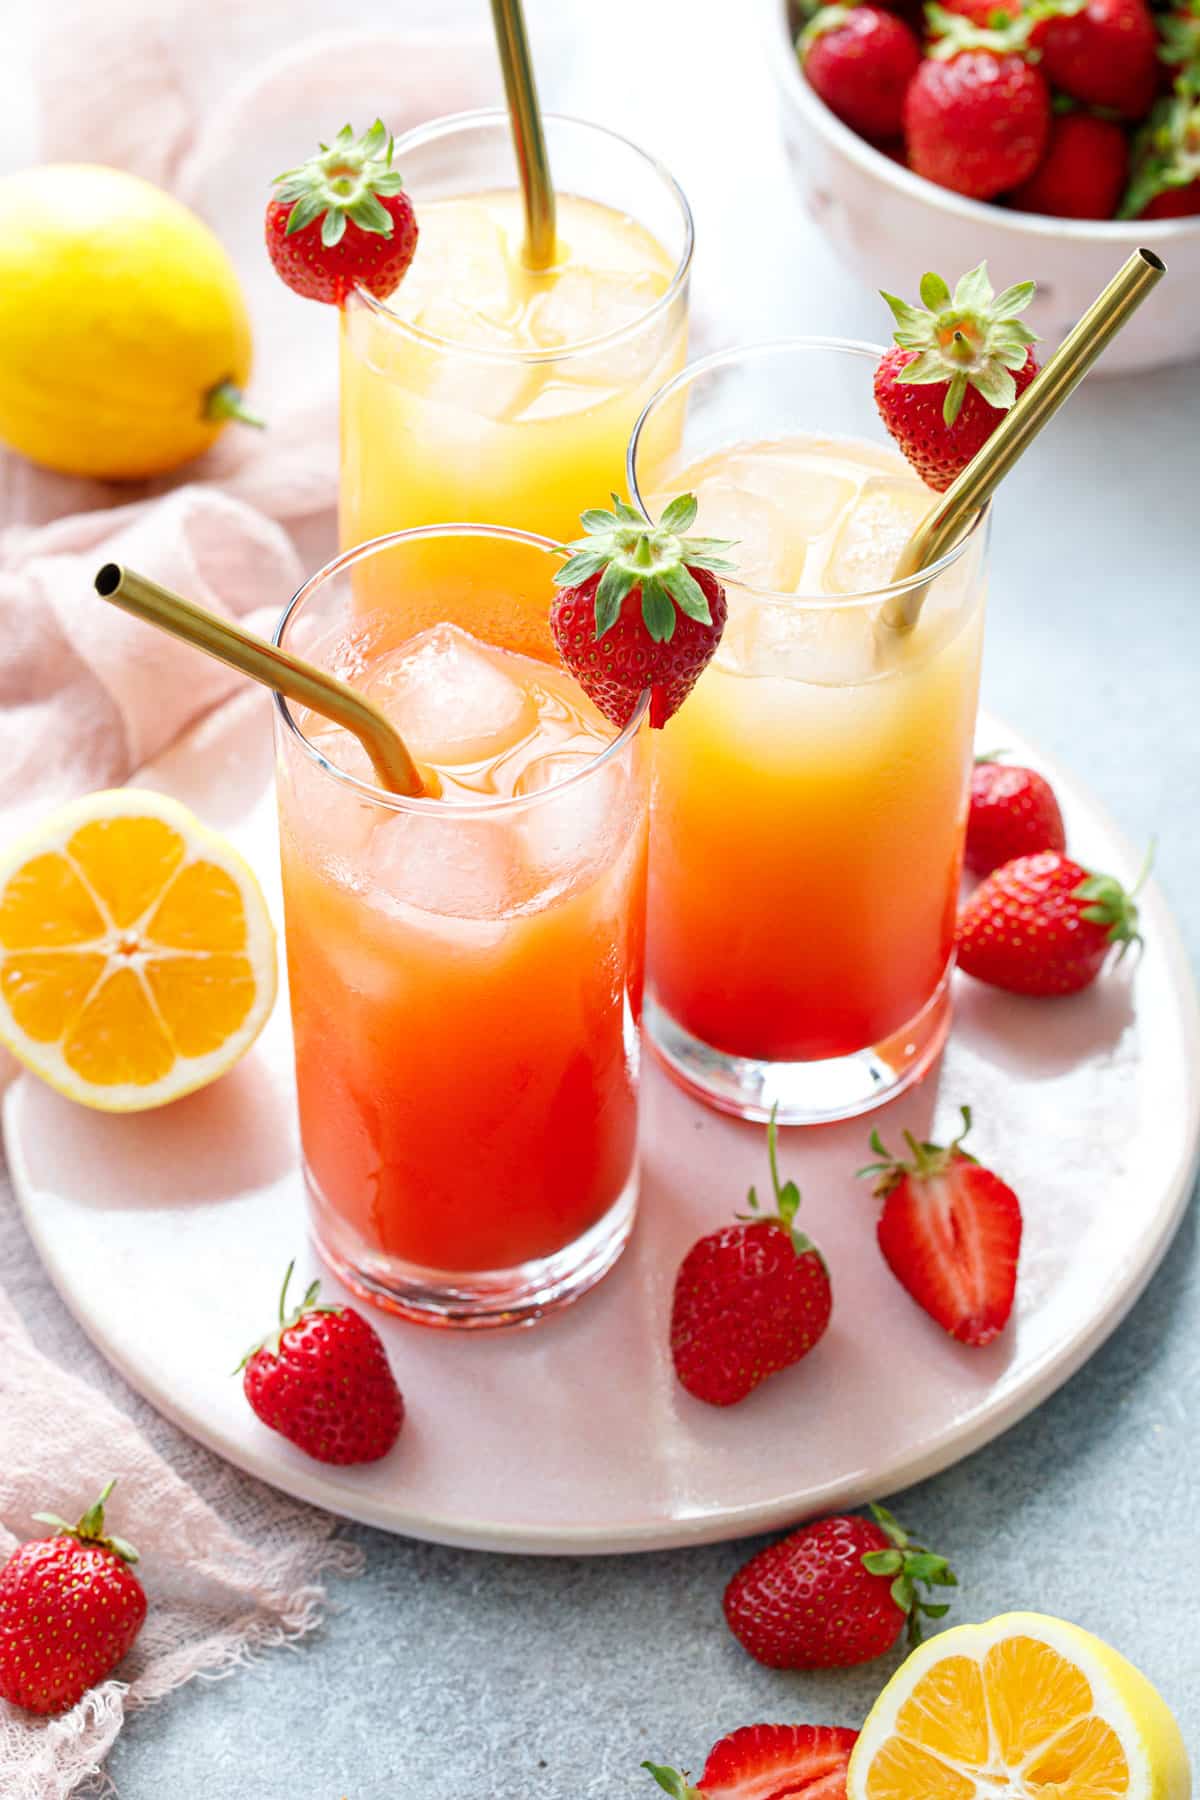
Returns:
<point x="1052" y="137"/>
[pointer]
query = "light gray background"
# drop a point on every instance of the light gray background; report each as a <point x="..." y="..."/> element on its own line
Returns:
<point x="442" y="1673"/>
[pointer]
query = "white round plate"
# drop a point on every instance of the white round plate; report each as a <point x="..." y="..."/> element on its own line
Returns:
<point x="167" y="1235"/>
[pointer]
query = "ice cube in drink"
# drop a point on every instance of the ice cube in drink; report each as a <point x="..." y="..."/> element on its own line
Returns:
<point x="484" y="390"/>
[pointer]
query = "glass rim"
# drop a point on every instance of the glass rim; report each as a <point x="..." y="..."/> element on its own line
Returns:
<point x="486" y="118"/>
<point x="771" y="347"/>
<point x="426" y="803"/>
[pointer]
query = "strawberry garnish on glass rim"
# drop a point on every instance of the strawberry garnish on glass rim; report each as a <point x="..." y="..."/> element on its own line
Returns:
<point x="960" y="361"/>
<point x="340" y="219"/>
<point x="639" y="607"/>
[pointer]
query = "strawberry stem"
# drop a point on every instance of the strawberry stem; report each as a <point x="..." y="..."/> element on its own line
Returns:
<point x="928" y="1159"/>
<point x="90" y="1527"/>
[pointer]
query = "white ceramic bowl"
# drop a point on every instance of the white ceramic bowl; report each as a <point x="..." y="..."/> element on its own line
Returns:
<point x="889" y="225"/>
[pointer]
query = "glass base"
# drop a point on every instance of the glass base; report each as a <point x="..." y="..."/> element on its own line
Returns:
<point x="462" y="1299"/>
<point x="804" y="1093"/>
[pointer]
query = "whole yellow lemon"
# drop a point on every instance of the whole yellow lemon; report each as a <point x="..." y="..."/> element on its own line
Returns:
<point x="124" y="340"/>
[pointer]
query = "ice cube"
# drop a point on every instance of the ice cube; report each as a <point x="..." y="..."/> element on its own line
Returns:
<point x="873" y="533"/>
<point x="763" y="553"/>
<point x="548" y="771"/>
<point x="450" y="698"/>
<point x="589" y="303"/>
<point x="584" y="304"/>
<point x="821" y="645"/>
<point x="568" y="835"/>
<point x="462" y="256"/>
<point x="808" y="497"/>
<point x="435" y="863"/>
<point x="452" y="375"/>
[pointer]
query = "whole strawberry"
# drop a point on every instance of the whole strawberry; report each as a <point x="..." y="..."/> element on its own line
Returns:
<point x="950" y="1232"/>
<point x="70" y="1609"/>
<point x="835" y="1593"/>
<point x="960" y="363"/>
<point x="1083" y="173"/>
<point x="323" y="1381"/>
<point x="340" y="220"/>
<point x="860" y="59"/>
<point x="977" y="114"/>
<point x="767" y="1762"/>
<point x="750" y="1299"/>
<point x="1044" y="925"/>
<point x="1014" y="812"/>
<point x="639" y="607"/>
<point x="1103" y="52"/>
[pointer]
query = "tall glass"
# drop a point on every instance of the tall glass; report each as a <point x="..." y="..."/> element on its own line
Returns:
<point x="484" y="390"/>
<point x="810" y="799"/>
<point x="465" y="971"/>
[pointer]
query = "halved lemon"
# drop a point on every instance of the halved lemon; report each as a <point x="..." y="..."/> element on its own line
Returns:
<point x="137" y="956"/>
<point x="1022" y="1708"/>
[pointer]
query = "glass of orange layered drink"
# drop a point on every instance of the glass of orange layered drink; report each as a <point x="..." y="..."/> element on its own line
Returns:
<point x="810" y="800"/>
<point x="482" y="389"/>
<point x="465" y="969"/>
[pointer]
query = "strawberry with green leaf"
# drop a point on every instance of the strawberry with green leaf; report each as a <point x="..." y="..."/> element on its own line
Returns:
<point x="750" y="1299"/>
<point x="639" y="607"/>
<point x="959" y="364"/>
<point x="835" y="1593"/>
<point x="341" y="220"/>
<point x="71" y="1608"/>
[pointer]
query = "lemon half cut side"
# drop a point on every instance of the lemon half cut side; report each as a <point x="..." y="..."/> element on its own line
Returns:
<point x="137" y="955"/>
<point x="1023" y="1708"/>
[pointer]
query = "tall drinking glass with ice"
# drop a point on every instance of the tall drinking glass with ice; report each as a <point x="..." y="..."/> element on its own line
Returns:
<point x="482" y="389"/>
<point x="822" y="764"/>
<point x="465" y="968"/>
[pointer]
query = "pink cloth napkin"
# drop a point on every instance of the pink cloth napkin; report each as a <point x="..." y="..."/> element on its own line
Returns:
<point x="210" y="101"/>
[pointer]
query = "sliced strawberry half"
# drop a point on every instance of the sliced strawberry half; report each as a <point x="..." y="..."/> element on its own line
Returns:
<point x="769" y="1762"/>
<point x="950" y="1232"/>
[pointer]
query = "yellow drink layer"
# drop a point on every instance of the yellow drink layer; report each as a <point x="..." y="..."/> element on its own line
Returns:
<point x="822" y="767"/>
<point x="489" y="392"/>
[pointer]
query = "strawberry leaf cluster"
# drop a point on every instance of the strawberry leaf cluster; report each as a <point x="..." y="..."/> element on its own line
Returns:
<point x="627" y="550"/>
<point x="913" y="1568"/>
<point x="343" y="184"/>
<point x="971" y="338"/>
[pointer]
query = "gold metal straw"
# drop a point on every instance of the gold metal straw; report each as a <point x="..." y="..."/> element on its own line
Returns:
<point x="945" y="523"/>
<point x="275" y="668"/>
<point x="529" y="139"/>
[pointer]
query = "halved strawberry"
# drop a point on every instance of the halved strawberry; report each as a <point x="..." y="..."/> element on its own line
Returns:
<point x="950" y="1232"/>
<point x="767" y="1762"/>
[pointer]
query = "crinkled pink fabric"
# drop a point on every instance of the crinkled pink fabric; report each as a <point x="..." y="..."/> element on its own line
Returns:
<point x="211" y="101"/>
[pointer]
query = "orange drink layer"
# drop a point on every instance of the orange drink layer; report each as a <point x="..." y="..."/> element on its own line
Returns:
<point x="811" y="797"/>
<point x="465" y="971"/>
<point x="483" y="390"/>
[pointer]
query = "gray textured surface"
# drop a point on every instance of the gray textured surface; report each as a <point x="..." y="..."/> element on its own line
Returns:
<point x="443" y="1673"/>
